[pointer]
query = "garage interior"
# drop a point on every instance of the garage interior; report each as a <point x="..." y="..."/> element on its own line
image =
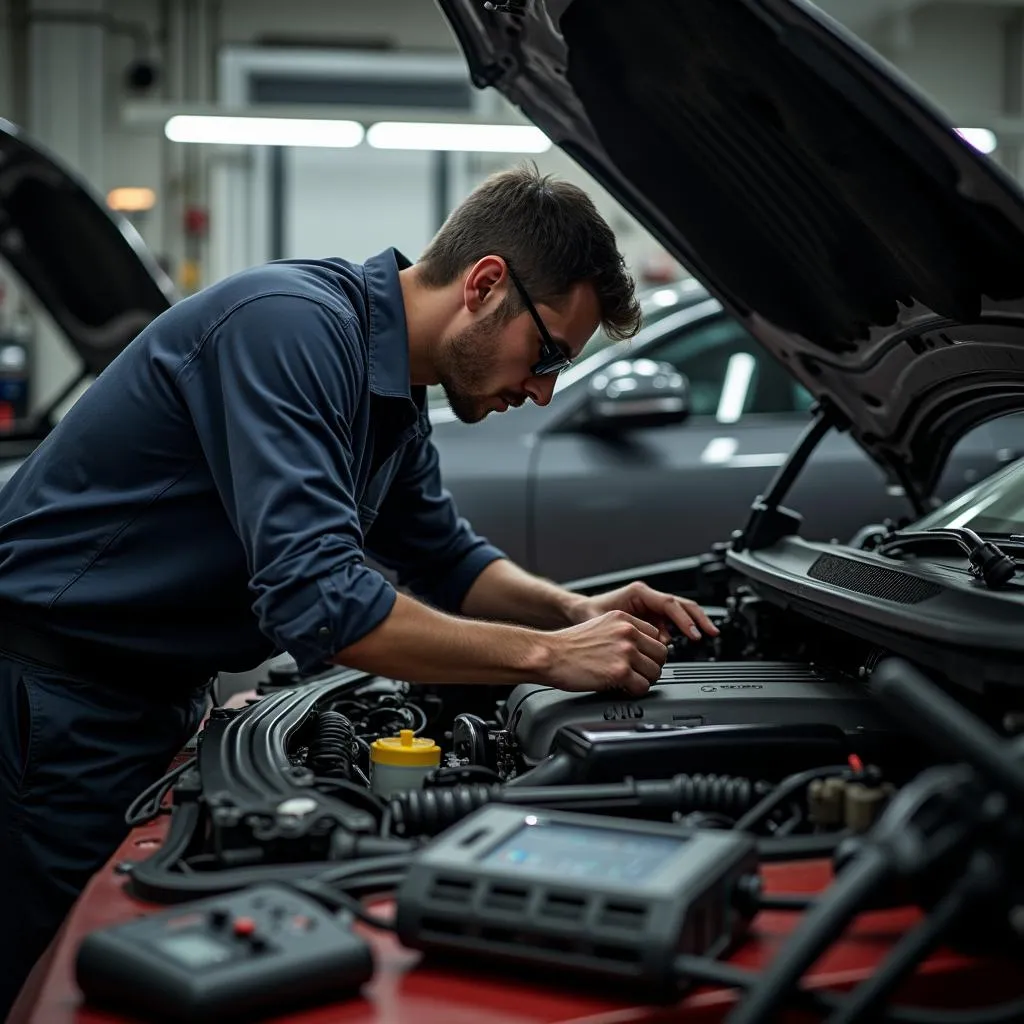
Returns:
<point x="816" y="811"/>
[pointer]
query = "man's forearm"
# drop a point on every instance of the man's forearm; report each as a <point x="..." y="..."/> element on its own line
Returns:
<point x="421" y="645"/>
<point x="505" y="593"/>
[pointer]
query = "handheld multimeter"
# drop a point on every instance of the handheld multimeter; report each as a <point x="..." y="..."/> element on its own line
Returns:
<point x="242" y="955"/>
<point x="610" y="900"/>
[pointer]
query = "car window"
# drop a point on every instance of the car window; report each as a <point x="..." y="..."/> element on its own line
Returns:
<point x="730" y="374"/>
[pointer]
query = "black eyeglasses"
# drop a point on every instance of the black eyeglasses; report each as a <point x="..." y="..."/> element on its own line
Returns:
<point x="552" y="355"/>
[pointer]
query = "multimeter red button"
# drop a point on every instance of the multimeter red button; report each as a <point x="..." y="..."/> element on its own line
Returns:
<point x="244" y="926"/>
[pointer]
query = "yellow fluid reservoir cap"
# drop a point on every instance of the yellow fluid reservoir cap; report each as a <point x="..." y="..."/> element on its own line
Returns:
<point x="405" y="750"/>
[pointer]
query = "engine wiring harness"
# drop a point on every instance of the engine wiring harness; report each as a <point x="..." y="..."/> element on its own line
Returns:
<point x="279" y="791"/>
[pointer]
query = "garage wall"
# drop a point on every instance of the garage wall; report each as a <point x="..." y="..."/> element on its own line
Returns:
<point x="409" y="24"/>
<point x="6" y="85"/>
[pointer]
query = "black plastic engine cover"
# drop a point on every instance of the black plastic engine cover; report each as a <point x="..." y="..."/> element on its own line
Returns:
<point x="610" y="751"/>
<point x="706" y="694"/>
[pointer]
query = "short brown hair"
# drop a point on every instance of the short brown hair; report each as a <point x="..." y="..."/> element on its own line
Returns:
<point x="551" y="234"/>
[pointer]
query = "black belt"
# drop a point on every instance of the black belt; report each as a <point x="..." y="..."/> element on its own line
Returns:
<point x="96" y="663"/>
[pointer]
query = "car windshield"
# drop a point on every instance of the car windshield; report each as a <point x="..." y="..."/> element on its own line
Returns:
<point x="996" y="505"/>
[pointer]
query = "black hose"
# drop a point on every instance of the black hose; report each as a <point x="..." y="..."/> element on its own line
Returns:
<point x="330" y="754"/>
<point x="428" y="812"/>
<point x="789" y="787"/>
<point x="935" y="716"/>
<point x="865" y="1002"/>
<point x="146" y="805"/>
<point x="771" y="850"/>
<point x="420" y="812"/>
<point x="714" y="972"/>
<point x="555" y="770"/>
<point x="819" y="928"/>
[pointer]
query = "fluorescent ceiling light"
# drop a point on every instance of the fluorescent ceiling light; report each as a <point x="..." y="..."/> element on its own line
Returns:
<point x="738" y="375"/>
<point x="264" y="131"/>
<point x="719" y="450"/>
<point x="982" y="139"/>
<point x="466" y="138"/>
<point x="664" y="297"/>
<point x="131" y="200"/>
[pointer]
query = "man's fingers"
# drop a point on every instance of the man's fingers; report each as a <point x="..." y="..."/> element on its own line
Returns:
<point x="688" y="617"/>
<point x="637" y="685"/>
<point x="647" y="667"/>
<point x="643" y="626"/>
<point x="679" y="616"/>
<point x="652" y="648"/>
<point x="701" y="618"/>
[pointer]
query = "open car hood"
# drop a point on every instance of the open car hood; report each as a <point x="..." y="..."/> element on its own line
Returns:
<point x="87" y="267"/>
<point x="825" y="202"/>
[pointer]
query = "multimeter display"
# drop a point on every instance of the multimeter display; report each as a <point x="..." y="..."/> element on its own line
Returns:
<point x="577" y="852"/>
<point x="195" y="949"/>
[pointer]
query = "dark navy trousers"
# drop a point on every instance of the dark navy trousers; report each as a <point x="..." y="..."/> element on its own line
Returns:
<point x="73" y="756"/>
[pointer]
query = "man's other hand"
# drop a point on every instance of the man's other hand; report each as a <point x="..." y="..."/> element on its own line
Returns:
<point x="654" y="607"/>
<point x="607" y="652"/>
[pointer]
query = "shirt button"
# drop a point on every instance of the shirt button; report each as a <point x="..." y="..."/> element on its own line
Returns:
<point x="324" y="632"/>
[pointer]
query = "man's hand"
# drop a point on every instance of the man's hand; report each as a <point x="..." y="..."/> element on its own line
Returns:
<point x="652" y="606"/>
<point x="609" y="651"/>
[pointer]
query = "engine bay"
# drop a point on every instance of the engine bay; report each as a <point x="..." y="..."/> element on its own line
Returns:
<point x="795" y="739"/>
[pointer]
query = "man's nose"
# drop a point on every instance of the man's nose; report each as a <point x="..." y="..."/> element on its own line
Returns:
<point x="540" y="389"/>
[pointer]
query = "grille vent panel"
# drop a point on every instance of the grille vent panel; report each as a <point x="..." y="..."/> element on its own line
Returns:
<point x="872" y="580"/>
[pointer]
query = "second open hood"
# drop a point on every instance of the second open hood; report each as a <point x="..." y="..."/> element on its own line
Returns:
<point x="830" y="207"/>
<point x="87" y="266"/>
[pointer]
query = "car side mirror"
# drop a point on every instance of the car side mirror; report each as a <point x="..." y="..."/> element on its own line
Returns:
<point x="634" y="393"/>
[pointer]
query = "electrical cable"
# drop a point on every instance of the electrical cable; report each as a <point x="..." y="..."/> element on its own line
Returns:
<point x="786" y="901"/>
<point x="352" y="869"/>
<point x="339" y="900"/>
<point x="934" y="714"/>
<point x="375" y="885"/>
<point x="822" y="924"/>
<point x="771" y="850"/>
<point x="786" y="789"/>
<point x="147" y="805"/>
<point x="866" y="1000"/>
<point x="714" y="972"/>
<point x="362" y="796"/>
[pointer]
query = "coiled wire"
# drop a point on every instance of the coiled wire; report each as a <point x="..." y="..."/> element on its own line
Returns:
<point x="330" y="753"/>
<point x="427" y="812"/>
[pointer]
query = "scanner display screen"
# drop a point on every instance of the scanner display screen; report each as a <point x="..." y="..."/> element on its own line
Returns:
<point x="575" y="852"/>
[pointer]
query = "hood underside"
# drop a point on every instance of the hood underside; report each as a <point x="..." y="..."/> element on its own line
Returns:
<point x="86" y="266"/>
<point x="829" y="206"/>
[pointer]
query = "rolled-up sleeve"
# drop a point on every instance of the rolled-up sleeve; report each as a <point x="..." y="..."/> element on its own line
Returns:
<point x="271" y="390"/>
<point x="420" y="536"/>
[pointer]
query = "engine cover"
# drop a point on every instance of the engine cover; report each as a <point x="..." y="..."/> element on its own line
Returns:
<point x="699" y="694"/>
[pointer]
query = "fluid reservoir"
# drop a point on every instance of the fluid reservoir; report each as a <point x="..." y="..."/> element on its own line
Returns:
<point x="401" y="762"/>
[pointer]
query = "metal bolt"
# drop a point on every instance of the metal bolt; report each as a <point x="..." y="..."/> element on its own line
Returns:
<point x="297" y="807"/>
<point x="1013" y="722"/>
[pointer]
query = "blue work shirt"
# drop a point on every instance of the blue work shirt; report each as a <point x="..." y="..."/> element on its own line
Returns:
<point x="209" y="499"/>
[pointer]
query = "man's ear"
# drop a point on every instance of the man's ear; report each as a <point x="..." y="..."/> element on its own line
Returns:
<point x="485" y="284"/>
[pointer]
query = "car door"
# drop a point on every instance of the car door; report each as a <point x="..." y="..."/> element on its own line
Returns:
<point x="616" y="499"/>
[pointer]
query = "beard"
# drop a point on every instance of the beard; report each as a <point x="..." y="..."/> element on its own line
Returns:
<point x="469" y="359"/>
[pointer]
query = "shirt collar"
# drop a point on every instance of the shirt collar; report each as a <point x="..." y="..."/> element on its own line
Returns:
<point x="389" y="334"/>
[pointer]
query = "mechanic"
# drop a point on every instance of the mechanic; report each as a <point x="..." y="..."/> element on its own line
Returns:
<point x="209" y="501"/>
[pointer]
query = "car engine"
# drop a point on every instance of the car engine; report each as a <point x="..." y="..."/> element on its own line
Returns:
<point x="802" y="738"/>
